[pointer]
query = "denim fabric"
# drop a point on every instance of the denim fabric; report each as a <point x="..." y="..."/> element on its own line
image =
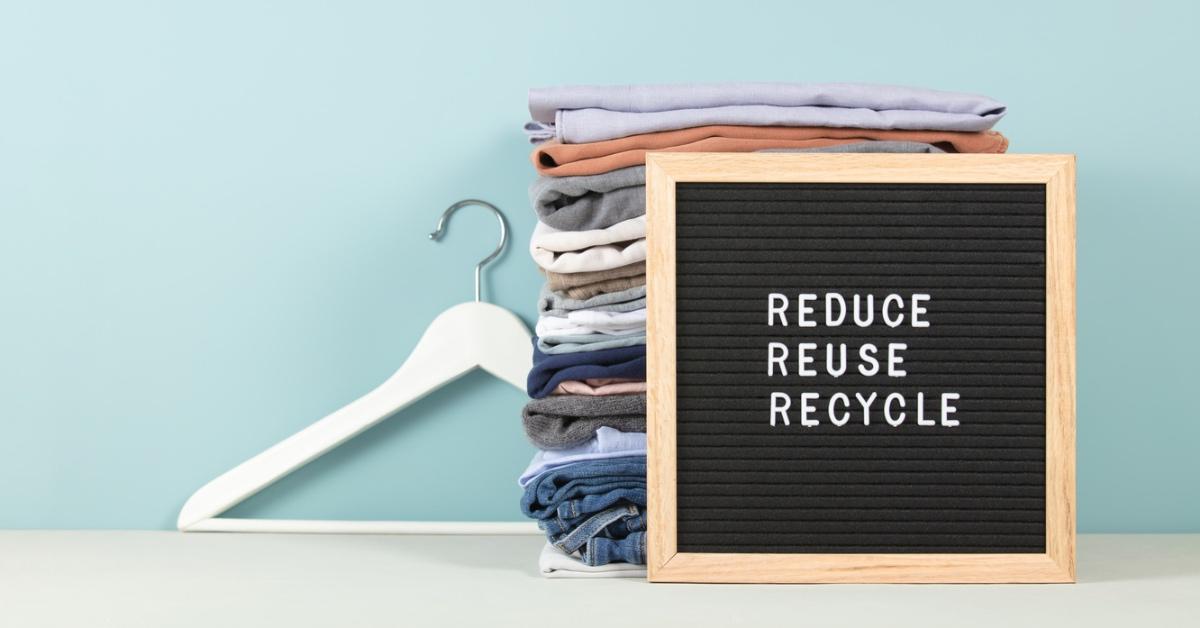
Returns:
<point x="549" y="370"/>
<point x="594" y="508"/>
<point x="616" y="522"/>
<point x="585" y="488"/>
<point x="616" y="534"/>
<point x="602" y="551"/>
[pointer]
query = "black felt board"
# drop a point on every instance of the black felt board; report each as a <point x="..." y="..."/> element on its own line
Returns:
<point x="745" y="486"/>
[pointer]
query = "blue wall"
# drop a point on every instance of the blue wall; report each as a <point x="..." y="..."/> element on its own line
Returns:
<point x="213" y="219"/>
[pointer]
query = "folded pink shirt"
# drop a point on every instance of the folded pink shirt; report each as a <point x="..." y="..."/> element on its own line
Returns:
<point x="600" y="387"/>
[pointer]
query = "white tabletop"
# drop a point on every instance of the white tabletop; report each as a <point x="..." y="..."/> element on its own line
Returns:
<point x="129" y="579"/>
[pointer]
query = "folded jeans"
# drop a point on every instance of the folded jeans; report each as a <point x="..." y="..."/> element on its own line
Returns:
<point x="616" y="534"/>
<point x="585" y="487"/>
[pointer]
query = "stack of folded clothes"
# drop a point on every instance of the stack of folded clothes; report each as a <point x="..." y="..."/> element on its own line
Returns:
<point x="587" y="486"/>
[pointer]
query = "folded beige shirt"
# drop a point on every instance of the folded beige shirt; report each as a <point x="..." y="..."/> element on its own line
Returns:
<point x="561" y="281"/>
<point x="616" y="284"/>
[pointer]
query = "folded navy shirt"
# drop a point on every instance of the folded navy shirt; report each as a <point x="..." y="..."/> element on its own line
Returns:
<point x="549" y="370"/>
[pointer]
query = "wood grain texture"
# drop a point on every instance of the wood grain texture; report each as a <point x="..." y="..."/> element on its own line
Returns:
<point x="660" y="368"/>
<point x="861" y="568"/>
<point x="665" y="563"/>
<point x="856" y="167"/>
<point x="1060" y="368"/>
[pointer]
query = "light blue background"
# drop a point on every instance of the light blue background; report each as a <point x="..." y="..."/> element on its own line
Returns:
<point x="213" y="219"/>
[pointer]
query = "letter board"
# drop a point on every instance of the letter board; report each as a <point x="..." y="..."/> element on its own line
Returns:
<point x="861" y="367"/>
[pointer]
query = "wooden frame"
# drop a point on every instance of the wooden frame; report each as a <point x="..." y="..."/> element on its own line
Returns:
<point x="1057" y="172"/>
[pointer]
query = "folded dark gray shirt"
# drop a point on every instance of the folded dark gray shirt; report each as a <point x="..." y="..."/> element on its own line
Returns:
<point x="563" y="421"/>
<point x="592" y="201"/>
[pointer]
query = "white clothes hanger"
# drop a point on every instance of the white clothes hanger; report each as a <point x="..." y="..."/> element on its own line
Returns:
<point x="467" y="336"/>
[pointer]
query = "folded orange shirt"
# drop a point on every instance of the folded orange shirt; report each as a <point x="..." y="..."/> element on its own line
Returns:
<point x="556" y="159"/>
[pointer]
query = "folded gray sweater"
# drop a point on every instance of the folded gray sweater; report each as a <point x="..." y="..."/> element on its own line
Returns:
<point x="593" y="201"/>
<point x="563" y="421"/>
<point x="601" y="200"/>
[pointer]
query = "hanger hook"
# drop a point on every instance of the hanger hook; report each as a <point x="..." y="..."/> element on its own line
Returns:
<point x="441" y="228"/>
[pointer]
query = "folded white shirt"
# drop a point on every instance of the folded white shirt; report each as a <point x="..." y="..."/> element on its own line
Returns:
<point x="561" y="251"/>
<point x="584" y="322"/>
<point x="554" y="563"/>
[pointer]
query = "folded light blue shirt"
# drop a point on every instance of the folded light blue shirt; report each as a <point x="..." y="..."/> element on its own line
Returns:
<point x="608" y="443"/>
<point x="584" y="113"/>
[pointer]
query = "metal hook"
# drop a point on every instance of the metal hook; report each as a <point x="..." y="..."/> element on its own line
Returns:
<point x="441" y="227"/>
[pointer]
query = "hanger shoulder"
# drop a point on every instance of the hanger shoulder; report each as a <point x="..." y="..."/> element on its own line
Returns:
<point x="236" y="485"/>
<point x="462" y="338"/>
